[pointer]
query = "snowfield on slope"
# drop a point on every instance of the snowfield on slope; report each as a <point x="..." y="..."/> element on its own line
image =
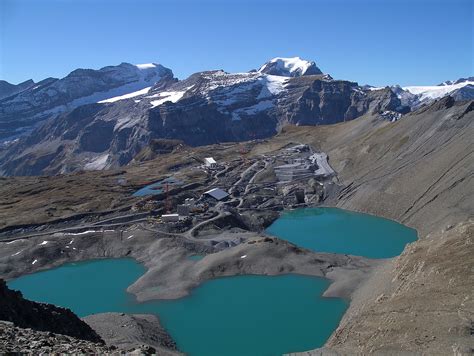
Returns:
<point x="435" y="91"/>
<point x="127" y="96"/>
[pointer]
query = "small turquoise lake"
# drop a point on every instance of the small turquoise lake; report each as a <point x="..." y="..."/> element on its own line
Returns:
<point x="341" y="231"/>
<point x="242" y="315"/>
<point x="157" y="187"/>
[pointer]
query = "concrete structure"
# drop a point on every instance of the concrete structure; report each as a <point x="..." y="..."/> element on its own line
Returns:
<point x="183" y="210"/>
<point x="217" y="193"/>
<point x="289" y="172"/>
<point x="210" y="162"/>
<point x="321" y="160"/>
<point x="190" y="202"/>
<point x="170" y="217"/>
<point x="299" y="148"/>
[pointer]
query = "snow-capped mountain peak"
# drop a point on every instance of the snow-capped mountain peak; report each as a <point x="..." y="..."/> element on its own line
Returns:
<point x="289" y="67"/>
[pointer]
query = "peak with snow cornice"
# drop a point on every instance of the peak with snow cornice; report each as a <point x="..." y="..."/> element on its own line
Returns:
<point x="290" y="67"/>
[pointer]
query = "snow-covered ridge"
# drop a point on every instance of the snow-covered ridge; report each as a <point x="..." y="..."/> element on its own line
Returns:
<point x="435" y="91"/>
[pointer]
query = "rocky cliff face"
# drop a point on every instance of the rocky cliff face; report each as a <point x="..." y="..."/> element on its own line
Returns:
<point x="43" y="317"/>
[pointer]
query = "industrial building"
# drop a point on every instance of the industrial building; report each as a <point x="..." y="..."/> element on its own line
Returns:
<point x="294" y="171"/>
<point x="217" y="193"/>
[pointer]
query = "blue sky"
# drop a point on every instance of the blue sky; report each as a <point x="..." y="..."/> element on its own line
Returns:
<point x="369" y="41"/>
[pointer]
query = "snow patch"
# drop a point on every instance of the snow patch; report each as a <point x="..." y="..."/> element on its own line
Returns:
<point x="98" y="163"/>
<point x="243" y="256"/>
<point x="146" y="65"/>
<point x="173" y="96"/>
<point x="251" y="110"/>
<point x="12" y="242"/>
<point x="272" y="85"/>
<point x="43" y="243"/>
<point x="375" y="88"/>
<point x="80" y="233"/>
<point x="127" y="96"/>
<point x="34" y="262"/>
<point x="16" y="254"/>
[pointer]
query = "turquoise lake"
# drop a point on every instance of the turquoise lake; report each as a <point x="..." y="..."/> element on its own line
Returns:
<point x="157" y="187"/>
<point x="341" y="231"/>
<point x="242" y="315"/>
<point x="196" y="257"/>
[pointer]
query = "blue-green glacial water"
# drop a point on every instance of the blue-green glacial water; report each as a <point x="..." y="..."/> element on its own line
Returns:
<point x="242" y="315"/>
<point x="341" y="231"/>
<point x="157" y="187"/>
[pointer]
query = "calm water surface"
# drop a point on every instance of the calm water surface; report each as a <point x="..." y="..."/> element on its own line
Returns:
<point x="342" y="231"/>
<point x="242" y="315"/>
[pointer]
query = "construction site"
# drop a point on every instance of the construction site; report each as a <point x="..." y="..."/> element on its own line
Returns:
<point x="210" y="197"/>
<point x="240" y="194"/>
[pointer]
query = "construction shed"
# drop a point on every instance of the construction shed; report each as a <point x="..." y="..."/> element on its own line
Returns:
<point x="217" y="193"/>
<point x="210" y="162"/>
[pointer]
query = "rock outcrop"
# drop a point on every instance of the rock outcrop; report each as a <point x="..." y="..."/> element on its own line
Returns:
<point x="132" y="331"/>
<point x="41" y="316"/>
<point x="16" y="340"/>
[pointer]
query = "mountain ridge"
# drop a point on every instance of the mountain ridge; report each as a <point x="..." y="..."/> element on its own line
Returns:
<point x="81" y="129"/>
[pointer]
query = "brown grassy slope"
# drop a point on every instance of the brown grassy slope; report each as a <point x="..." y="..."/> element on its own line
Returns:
<point x="35" y="200"/>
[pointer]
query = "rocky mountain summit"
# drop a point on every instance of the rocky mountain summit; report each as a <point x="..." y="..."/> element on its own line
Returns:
<point x="8" y="89"/>
<point x="49" y="97"/>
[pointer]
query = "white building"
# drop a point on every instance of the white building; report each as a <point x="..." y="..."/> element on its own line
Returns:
<point x="210" y="162"/>
<point x="170" y="217"/>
